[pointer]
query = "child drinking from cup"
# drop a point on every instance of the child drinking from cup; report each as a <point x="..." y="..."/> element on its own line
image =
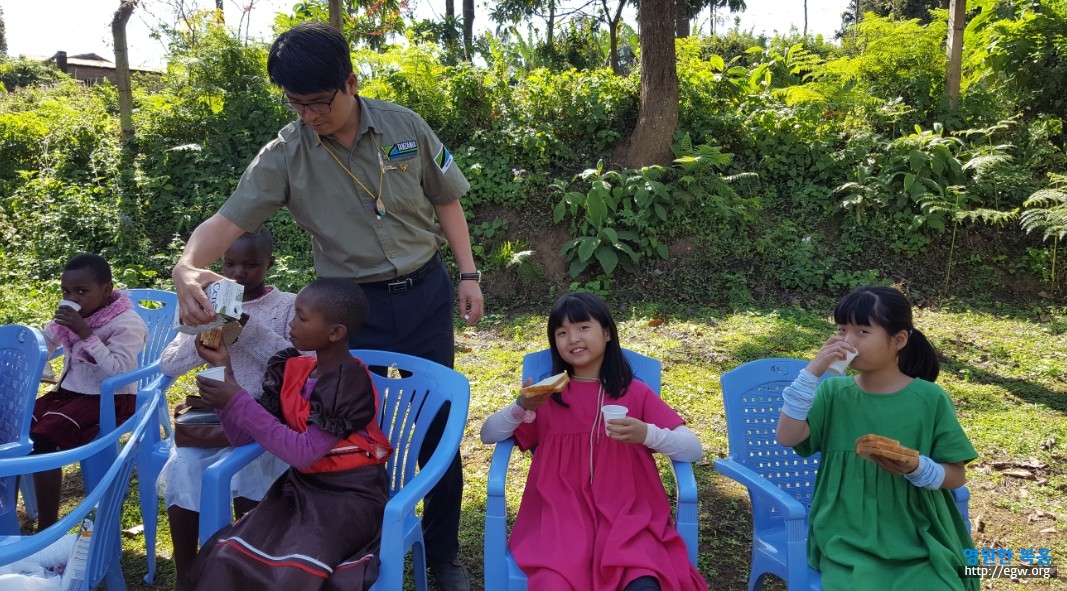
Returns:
<point x="265" y="332"/>
<point x="880" y="523"/>
<point x="594" y="514"/>
<point x="101" y="336"/>
<point x="319" y="525"/>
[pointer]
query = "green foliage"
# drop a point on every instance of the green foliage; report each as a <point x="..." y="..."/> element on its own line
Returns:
<point x="1046" y="210"/>
<point x="1021" y="49"/>
<point x="615" y="222"/>
<point x="22" y="72"/>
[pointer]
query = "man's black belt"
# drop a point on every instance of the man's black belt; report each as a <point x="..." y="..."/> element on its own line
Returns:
<point x="406" y="282"/>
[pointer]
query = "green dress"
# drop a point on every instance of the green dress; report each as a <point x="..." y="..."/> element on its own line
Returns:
<point x="869" y="529"/>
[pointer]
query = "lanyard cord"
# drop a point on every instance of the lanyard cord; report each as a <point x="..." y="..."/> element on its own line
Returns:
<point x="379" y="205"/>
<point x="597" y="422"/>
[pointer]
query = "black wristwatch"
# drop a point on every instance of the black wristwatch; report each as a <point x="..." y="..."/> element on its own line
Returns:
<point x="475" y="276"/>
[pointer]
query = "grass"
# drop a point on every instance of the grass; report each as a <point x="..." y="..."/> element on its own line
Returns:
<point x="1005" y="368"/>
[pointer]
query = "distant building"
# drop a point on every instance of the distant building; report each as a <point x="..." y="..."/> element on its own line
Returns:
<point x="88" y="67"/>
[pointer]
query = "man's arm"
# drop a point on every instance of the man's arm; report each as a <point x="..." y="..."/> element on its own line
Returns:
<point x="454" y="225"/>
<point x="206" y="245"/>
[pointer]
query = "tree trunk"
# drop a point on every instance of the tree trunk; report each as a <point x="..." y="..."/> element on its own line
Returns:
<point x="220" y="11"/>
<point x="335" y="15"/>
<point x="122" y="66"/>
<point x="956" y="11"/>
<point x="681" y="19"/>
<point x="550" y="37"/>
<point x="468" y="29"/>
<point x="650" y="142"/>
<point x="805" y="18"/>
<point x="613" y="34"/>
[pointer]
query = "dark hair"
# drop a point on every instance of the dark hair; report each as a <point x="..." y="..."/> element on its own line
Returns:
<point x="310" y="57"/>
<point x="615" y="371"/>
<point x="341" y="301"/>
<point x="94" y="263"/>
<point x="261" y="239"/>
<point x="888" y="308"/>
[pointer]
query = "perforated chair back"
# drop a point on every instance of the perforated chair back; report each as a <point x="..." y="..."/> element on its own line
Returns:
<point x="538" y="366"/>
<point x="752" y="399"/>
<point x="158" y="309"/>
<point x="23" y="354"/>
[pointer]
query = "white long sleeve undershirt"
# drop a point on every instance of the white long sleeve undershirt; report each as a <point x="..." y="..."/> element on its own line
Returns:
<point x="679" y="444"/>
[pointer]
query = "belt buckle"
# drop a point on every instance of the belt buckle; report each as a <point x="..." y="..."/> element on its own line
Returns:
<point x="400" y="285"/>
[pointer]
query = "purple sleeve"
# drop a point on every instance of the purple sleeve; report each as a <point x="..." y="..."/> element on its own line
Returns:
<point x="245" y="418"/>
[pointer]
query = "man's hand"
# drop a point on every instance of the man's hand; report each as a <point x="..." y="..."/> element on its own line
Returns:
<point x="470" y="301"/>
<point x="627" y="430"/>
<point x="206" y="245"/>
<point x="193" y="304"/>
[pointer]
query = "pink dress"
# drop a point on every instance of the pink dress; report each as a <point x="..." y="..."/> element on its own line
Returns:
<point x="599" y="531"/>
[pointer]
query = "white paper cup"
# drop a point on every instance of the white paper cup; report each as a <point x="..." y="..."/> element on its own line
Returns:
<point x="214" y="373"/>
<point x="72" y="305"/>
<point x="612" y="411"/>
<point x="839" y="366"/>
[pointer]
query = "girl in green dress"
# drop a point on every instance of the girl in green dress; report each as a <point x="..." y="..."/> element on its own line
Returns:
<point x="879" y="523"/>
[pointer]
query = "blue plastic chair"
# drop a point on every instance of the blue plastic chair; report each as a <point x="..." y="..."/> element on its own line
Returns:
<point x="501" y="571"/>
<point x="105" y="546"/>
<point x="159" y="310"/>
<point x="780" y="483"/>
<point x="408" y="404"/>
<point x="23" y="354"/>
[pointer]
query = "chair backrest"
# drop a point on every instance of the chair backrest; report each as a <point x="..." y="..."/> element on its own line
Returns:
<point x="538" y="365"/>
<point x="107" y="498"/>
<point x="159" y="311"/>
<point x="752" y="400"/>
<point x="409" y="402"/>
<point x="23" y="354"/>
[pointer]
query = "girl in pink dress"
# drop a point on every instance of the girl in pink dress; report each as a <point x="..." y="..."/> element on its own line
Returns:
<point x="594" y="514"/>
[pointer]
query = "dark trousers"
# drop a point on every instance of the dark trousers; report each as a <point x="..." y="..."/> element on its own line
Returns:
<point x="419" y="322"/>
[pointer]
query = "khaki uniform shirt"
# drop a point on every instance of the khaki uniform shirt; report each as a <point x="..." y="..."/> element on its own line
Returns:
<point x="348" y="237"/>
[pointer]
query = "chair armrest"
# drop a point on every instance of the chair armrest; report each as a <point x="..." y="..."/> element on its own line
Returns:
<point x="216" y="511"/>
<point x="762" y="489"/>
<point x="107" y="392"/>
<point x="15" y="449"/>
<point x="687" y="513"/>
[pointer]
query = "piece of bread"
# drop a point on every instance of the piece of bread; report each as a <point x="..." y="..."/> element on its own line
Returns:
<point x="548" y="385"/>
<point x="885" y="447"/>
<point x="211" y="338"/>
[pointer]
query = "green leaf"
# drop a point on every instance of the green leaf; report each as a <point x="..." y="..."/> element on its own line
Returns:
<point x="917" y="159"/>
<point x="608" y="259"/>
<point x="586" y="248"/>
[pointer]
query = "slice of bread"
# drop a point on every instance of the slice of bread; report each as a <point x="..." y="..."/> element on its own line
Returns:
<point x="548" y="385"/>
<point x="211" y="338"/>
<point x="885" y="447"/>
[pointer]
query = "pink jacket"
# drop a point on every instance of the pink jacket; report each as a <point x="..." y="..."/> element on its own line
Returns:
<point x="112" y="349"/>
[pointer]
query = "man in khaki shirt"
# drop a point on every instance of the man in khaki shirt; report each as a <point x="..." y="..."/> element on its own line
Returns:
<point x="366" y="179"/>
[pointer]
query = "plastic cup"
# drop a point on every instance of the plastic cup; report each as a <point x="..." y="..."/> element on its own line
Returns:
<point x="839" y="366"/>
<point x="612" y="411"/>
<point x="72" y="305"/>
<point x="214" y="373"/>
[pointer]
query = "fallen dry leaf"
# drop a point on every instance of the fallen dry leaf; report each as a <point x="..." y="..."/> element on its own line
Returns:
<point x="655" y="322"/>
<point x="1049" y="530"/>
<point x="1048" y="444"/>
<point x="1028" y="475"/>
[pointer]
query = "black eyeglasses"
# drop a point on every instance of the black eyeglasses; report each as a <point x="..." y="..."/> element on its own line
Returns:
<point x="319" y="108"/>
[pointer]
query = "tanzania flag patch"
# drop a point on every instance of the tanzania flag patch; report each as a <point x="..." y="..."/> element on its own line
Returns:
<point x="402" y="150"/>
<point x="443" y="159"/>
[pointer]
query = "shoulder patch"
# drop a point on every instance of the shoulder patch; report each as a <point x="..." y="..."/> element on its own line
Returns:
<point x="402" y="149"/>
<point x="443" y="159"/>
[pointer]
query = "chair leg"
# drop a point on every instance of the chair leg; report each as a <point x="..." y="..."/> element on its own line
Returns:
<point x="146" y="482"/>
<point x="29" y="496"/>
<point x="418" y="561"/>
